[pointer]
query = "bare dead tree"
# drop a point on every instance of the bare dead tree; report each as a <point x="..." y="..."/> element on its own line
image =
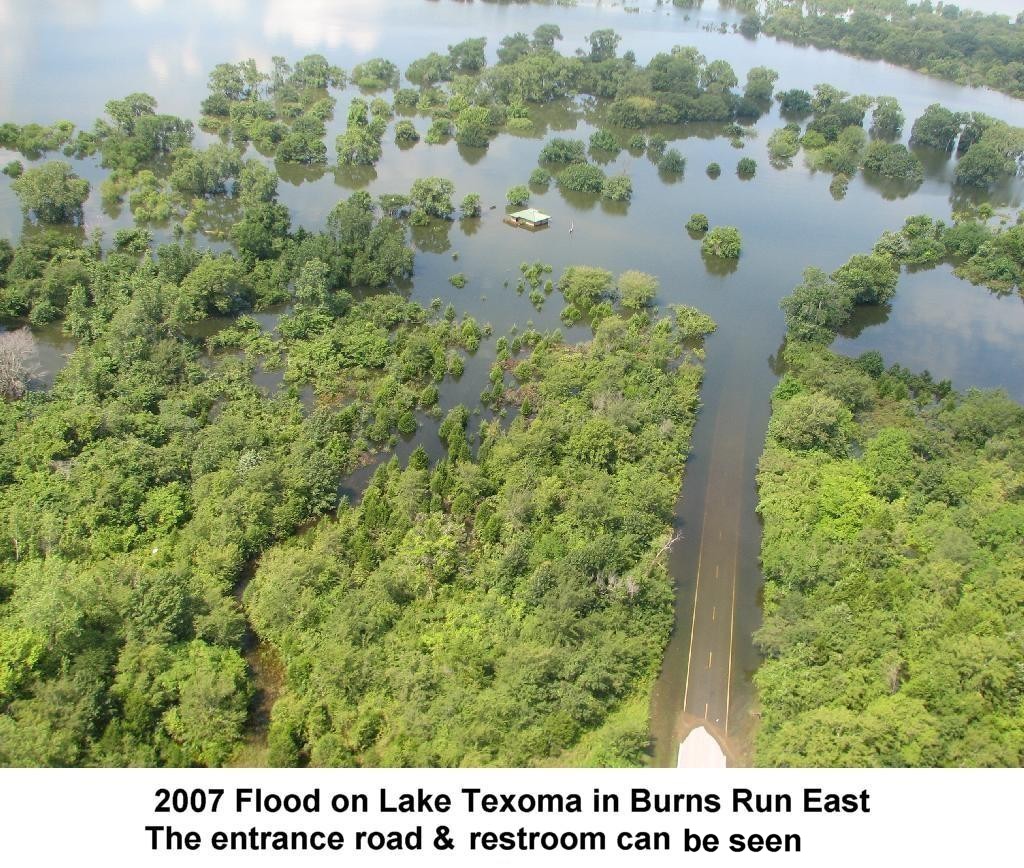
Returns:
<point x="18" y="353"/>
<point x="672" y="540"/>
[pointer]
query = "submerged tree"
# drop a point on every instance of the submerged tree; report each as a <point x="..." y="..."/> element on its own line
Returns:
<point x="937" y="127"/>
<point x="893" y="161"/>
<point x="887" y="118"/>
<point x="697" y="224"/>
<point x="672" y="163"/>
<point x="518" y="195"/>
<point x="723" y="242"/>
<point x="637" y="289"/>
<point x="470" y="206"/>
<point x="52" y="192"/>
<point x="581" y="178"/>
<point x="617" y="188"/>
<point x="433" y="197"/>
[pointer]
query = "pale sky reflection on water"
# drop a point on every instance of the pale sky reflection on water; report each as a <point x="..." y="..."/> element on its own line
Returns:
<point x="65" y="52"/>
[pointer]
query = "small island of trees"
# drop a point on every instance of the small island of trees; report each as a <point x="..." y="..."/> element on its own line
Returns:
<point x="722" y="242"/>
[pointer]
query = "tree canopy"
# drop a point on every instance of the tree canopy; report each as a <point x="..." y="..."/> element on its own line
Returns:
<point x="499" y="588"/>
<point x="723" y="242"/>
<point x="52" y="192"/>
<point x="939" y="39"/>
<point x="890" y="562"/>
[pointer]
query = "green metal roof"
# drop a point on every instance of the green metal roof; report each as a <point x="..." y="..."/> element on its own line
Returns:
<point x="531" y="215"/>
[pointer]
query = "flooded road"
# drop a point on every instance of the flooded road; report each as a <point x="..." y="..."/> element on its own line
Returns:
<point x="710" y="659"/>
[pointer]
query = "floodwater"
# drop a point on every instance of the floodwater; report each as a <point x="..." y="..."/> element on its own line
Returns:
<point x="939" y="323"/>
<point x="56" y="63"/>
<point x="52" y="349"/>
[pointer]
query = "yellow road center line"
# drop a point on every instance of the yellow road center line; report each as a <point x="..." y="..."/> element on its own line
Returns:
<point x="696" y="592"/>
<point x="732" y="627"/>
<point x="700" y="559"/>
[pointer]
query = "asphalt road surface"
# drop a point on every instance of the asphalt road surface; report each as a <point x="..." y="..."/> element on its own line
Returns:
<point x="709" y="668"/>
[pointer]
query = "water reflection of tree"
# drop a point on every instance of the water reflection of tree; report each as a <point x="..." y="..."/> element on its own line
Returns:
<point x="865" y="316"/>
<point x="934" y="161"/>
<point x="265" y="148"/>
<point x="602" y="157"/>
<point x="31" y="231"/>
<point x="777" y="361"/>
<point x="469" y="225"/>
<point x="719" y="266"/>
<point x="557" y="117"/>
<point x="889" y="188"/>
<point x="794" y="115"/>
<point x="354" y="177"/>
<point x="218" y="215"/>
<point x="471" y="155"/>
<point x="616" y="209"/>
<point x="963" y="198"/>
<point x="111" y="207"/>
<point x="704" y="130"/>
<point x="533" y="132"/>
<point x="297" y="174"/>
<point x="433" y="237"/>
<point x="580" y="201"/>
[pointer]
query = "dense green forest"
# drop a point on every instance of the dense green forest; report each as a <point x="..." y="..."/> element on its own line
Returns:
<point x="893" y="547"/>
<point x="140" y="491"/>
<point x="507" y="601"/>
<point x="137" y="492"/>
<point x="137" y="489"/>
<point x="494" y="609"/>
<point x="939" y="39"/>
